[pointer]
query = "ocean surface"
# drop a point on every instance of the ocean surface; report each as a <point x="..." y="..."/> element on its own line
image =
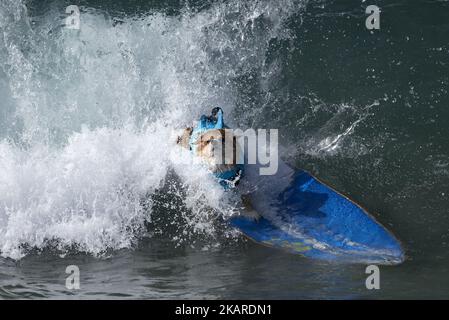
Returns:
<point x="88" y="170"/>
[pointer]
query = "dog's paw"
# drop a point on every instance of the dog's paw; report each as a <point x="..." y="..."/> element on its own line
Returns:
<point x="251" y="215"/>
<point x="248" y="210"/>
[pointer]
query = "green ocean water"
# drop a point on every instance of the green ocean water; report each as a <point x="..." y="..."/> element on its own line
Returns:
<point x="83" y="113"/>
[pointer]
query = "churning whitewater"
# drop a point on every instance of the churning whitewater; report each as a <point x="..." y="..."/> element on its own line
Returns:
<point x="89" y="117"/>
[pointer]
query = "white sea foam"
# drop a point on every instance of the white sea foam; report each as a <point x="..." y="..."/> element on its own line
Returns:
<point x="87" y="116"/>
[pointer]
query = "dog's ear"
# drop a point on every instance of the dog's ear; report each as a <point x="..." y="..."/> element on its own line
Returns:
<point x="183" y="140"/>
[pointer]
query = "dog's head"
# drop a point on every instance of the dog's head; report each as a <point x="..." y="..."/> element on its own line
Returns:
<point x="215" y="147"/>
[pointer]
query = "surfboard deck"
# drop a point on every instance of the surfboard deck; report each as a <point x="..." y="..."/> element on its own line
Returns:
<point x="303" y="215"/>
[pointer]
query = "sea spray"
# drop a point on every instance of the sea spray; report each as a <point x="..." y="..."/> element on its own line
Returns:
<point x="87" y="141"/>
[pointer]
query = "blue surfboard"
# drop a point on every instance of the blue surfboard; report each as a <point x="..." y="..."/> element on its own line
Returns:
<point x="302" y="215"/>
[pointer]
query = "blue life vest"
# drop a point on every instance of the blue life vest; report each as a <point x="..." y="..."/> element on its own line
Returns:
<point x="228" y="179"/>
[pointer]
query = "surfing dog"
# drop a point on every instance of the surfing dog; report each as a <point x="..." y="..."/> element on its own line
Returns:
<point x="208" y="140"/>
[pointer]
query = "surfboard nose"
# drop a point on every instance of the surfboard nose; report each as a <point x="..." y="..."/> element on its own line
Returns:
<point x="305" y="216"/>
